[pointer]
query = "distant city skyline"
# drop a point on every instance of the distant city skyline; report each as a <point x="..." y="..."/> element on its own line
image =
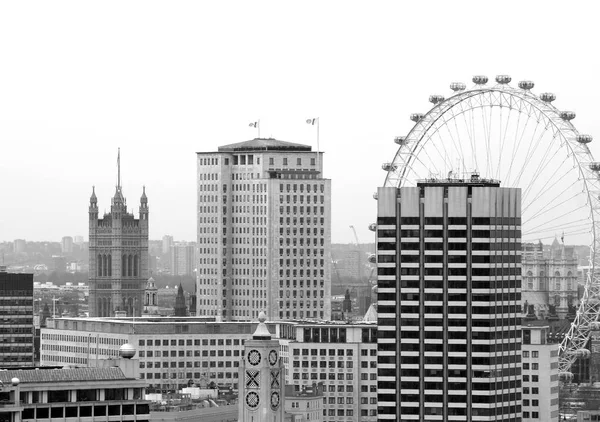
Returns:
<point x="164" y="92"/>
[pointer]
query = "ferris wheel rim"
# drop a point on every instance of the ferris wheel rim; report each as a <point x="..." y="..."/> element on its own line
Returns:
<point x="398" y="171"/>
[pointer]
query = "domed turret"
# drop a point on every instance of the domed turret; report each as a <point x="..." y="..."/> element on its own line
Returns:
<point x="15" y="381"/>
<point x="127" y="351"/>
<point x="262" y="332"/>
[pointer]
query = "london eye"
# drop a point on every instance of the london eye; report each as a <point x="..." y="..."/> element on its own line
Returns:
<point x="511" y="134"/>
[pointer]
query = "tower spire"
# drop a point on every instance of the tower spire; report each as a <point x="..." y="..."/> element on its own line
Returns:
<point x="119" y="168"/>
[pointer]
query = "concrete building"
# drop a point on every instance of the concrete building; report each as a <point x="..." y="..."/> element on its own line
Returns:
<point x="307" y="404"/>
<point x="172" y="351"/>
<point x="540" y="376"/>
<point x="183" y="259"/>
<point x="19" y="245"/>
<point x="110" y="391"/>
<point x="66" y="245"/>
<point x="118" y="257"/>
<point x="16" y="324"/>
<point x="449" y="314"/>
<point x="167" y="242"/>
<point x="78" y="240"/>
<point x="341" y="356"/>
<point x="264" y="232"/>
<point x="550" y="280"/>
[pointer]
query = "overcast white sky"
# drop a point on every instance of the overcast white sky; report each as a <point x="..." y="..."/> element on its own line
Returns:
<point x="163" y="80"/>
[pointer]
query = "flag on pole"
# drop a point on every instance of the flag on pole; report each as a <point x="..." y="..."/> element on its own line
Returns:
<point x="311" y="121"/>
<point x="254" y="124"/>
<point x="562" y="238"/>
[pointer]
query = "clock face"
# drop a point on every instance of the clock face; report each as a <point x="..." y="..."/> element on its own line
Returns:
<point x="252" y="400"/>
<point x="273" y="357"/>
<point x="254" y="357"/>
<point x="274" y="400"/>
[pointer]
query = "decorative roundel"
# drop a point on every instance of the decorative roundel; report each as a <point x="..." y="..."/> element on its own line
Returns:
<point x="254" y="357"/>
<point x="273" y="357"/>
<point x="275" y="400"/>
<point x="252" y="400"/>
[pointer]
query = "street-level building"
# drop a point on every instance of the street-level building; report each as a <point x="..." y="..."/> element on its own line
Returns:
<point x="16" y="319"/>
<point x="449" y="296"/>
<point x="264" y="232"/>
<point x="307" y="404"/>
<point x="344" y="358"/>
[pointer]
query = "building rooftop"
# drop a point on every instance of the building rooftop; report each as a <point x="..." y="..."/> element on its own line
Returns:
<point x="264" y="144"/>
<point x="63" y="375"/>
<point x="472" y="180"/>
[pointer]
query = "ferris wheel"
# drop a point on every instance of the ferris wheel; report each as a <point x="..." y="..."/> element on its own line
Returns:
<point x="510" y="134"/>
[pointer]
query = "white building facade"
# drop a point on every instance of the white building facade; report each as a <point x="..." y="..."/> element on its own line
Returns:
<point x="264" y="232"/>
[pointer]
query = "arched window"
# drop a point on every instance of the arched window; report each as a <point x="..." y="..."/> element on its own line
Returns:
<point x="104" y="265"/>
<point x="109" y="265"/>
<point x="129" y="265"/>
<point x="135" y="265"/>
<point x="542" y="281"/>
<point x="529" y="280"/>
<point x="99" y="266"/>
<point x="557" y="300"/>
<point x="123" y="265"/>
<point x="557" y="281"/>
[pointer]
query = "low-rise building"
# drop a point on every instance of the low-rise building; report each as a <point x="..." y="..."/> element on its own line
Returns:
<point x="306" y="405"/>
<point x="173" y="352"/>
<point x="344" y="358"/>
<point x="109" y="391"/>
<point x="540" y="375"/>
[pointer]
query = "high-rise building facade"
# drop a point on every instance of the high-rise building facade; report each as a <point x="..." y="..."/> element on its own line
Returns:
<point x="264" y="232"/>
<point x="16" y="324"/>
<point x="66" y="245"/>
<point x="167" y="242"/>
<point x="449" y="315"/>
<point x="183" y="257"/>
<point x="118" y="257"/>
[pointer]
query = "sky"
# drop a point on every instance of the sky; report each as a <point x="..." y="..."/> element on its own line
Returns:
<point x="163" y="80"/>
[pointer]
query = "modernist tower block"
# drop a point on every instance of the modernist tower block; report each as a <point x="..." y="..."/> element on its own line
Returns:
<point x="449" y="292"/>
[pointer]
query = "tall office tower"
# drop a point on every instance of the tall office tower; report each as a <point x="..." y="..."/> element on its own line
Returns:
<point x="264" y="232"/>
<point x="449" y="287"/>
<point x="167" y="242"/>
<point x="183" y="259"/>
<point x="16" y="324"/>
<point x="118" y="260"/>
<point x="66" y="245"/>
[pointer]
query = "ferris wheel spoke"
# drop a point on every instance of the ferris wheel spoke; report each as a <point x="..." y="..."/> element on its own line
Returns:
<point x="552" y="201"/>
<point x="472" y="143"/>
<point x="503" y="142"/>
<point x="547" y="187"/>
<point x="529" y="154"/>
<point x="569" y="212"/>
<point x="543" y="163"/>
<point x="516" y="146"/>
<point x="575" y="225"/>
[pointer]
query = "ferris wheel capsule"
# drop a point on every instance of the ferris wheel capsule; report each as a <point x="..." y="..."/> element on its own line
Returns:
<point x="434" y="99"/>
<point x="567" y="115"/>
<point x="372" y="258"/>
<point x="584" y="139"/>
<point x="400" y="140"/>
<point x="594" y="300"/>
<point x="457" y="86"/>
<point x="375" y="196"/>
<point x="503" y="79"/>
<point x="526" y="85"/>
<point x="583" y="353"/>
<point x="416" y="117"/>
<point x="547" y="97"/>
<point x="595" y="326"/>
<point x="372" y="227"/>
<point x="480" y="79"/>
<point x="389" y="166"/>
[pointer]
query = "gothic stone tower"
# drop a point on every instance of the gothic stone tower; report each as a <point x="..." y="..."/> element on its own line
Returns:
<point x="118" y="257"/>
<point x="262" y="393"/>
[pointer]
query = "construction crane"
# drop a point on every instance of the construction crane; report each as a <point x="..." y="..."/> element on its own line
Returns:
<point x="360" y="265"/>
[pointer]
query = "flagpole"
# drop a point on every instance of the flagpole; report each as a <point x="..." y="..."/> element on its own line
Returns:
<point x="259" y="128"/>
